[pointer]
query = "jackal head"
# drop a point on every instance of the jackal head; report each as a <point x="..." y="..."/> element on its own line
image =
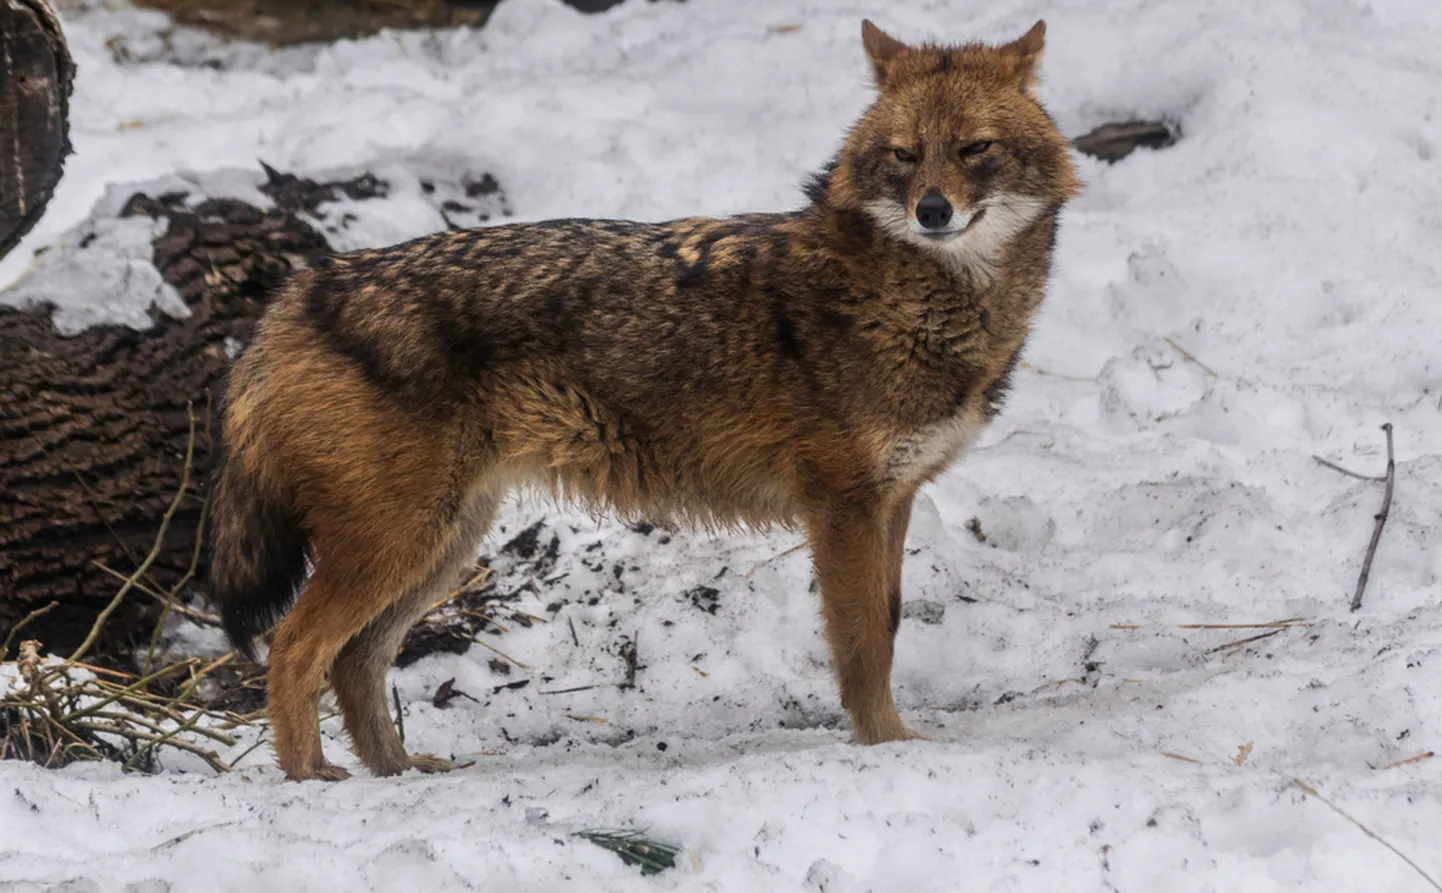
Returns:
<point x="956" y="155"/>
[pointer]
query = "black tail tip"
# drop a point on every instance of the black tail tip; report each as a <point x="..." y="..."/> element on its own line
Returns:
<point x="240" y="629"/>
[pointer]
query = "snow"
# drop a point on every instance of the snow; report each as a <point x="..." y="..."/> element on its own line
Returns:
<point x="1289" y="242"/>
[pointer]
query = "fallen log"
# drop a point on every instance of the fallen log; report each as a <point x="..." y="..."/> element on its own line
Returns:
<point x="36" y="74"/>
<point x="93" y="425"/>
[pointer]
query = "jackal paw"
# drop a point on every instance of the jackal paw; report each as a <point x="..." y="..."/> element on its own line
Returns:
<point x="323" y="772"/>
<point x="883" y="732"/>
<point x="430" y="763"/>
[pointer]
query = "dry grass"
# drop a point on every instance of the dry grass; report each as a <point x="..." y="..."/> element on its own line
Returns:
<point x="60" y="711"/>
<point x="1313" y="793"/>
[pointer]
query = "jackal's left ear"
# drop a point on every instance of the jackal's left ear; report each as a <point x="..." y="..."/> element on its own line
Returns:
<point x="1024" y="53"/>
<point x="881" y="48"/>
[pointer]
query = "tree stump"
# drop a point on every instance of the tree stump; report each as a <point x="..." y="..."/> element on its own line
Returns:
<point x="94" y="428"/>
<point x="36" y="74"/>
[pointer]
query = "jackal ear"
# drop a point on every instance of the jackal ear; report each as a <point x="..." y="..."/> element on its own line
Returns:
<point x="1024" y="53"/>
<point x="881" y="48"/>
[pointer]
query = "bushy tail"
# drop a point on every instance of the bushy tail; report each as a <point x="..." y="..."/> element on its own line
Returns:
<point x="257" y="547"/>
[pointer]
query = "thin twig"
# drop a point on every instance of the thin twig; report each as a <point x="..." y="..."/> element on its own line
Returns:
<point x="1050" y="374"/>
<point x="400" y="717"/>
<point x="476" y="579"/>
<point x="196" y="678"/>
<point x="155" y="638"/>
<point x="566" y="691"/>
<point x="154" y="551"/>
<point x="158" y="729"/>
<point x="1312" y="792"/>
<point x="132" y="735"/>
<point x="500" y="652"/>
<point x="119" y="694"/>
<point x="1347" y="471"/>
<point x="1417" y="759"/>
<point x="259" y="740"/>
<point x="777" y="557"/>
<point x="1381" y="520"/>
<point x="89" y="495"/>
<point x="1188" y="354"/>
<point x="198" y="616"/>
<point x="14" y="630"/>
<point x="486" y="618"/>
<point x="1176" y="756"/>
<point x="1240" y="642"/>
<point x="1273" y="624"/>
<point x="194" y="553"/>
<point x="100" y="670"/>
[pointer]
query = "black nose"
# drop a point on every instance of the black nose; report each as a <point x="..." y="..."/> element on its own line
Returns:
<point x="933" y="211"/>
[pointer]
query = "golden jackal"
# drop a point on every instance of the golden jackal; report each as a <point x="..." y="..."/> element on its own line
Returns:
<point x="812" y="368"/>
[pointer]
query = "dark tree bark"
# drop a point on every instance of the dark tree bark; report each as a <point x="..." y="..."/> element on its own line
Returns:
<point x="35" y="78"/>
<point x="93" y="428"/>
<point x="284" y="22"/>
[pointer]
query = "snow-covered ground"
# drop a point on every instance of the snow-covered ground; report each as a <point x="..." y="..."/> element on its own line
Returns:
<point x="1291" y="242"/>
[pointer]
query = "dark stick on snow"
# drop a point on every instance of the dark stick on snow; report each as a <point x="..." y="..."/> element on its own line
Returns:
<point x="1347" y="471"/>
<point x="400" y="716"/>
<point x="574" y="638"/>
<point x="1381" y="520"/>
<point x="566" y="691"/>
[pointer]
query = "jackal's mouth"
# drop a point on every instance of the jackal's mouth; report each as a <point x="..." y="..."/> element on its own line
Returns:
<point x="947" y="235"/>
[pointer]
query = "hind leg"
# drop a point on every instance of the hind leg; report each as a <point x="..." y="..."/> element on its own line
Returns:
<point x="358" y="578"/>
<point x="305" y="644"/>
<point x="359" y="675"/>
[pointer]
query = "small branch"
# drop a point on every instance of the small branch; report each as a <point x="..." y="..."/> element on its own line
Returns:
<point x="187" y="725"/>
<point x="400" y="716"/>
<point x="259" y="740"/>
<point x="14" y="630"/>
<point x="120" y="693"/>
<point x="89" y="495"/>
<point x="198" y="616"/>
<point x="155" y="638"/>
<point x="1410" y="760"/>
<point x="154" y="551"/>
<point x="1272" y="624"/>
<point x="1312" y="792"/>
<point x="1240" y="642"/>
<point x="566" y="691"/>
<point x="1381" y="520"/>
<point x="500" y="652"/>
<point x="1348" y="472"/>
<point x="1176" y="756"/>
<point x="208" y="756"/>
<point x="197" y="678"/>
<point x="1188" y="354"/>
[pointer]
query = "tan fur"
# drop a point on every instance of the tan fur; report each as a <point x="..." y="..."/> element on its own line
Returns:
<point x="812" y="368"/>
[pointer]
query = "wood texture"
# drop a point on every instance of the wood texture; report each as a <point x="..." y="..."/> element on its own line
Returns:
<point x="93" y="428"/>
<point x="36" y="73"/>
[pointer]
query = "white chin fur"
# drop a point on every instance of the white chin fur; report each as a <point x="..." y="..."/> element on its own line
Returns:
<point x="973" y="245"/>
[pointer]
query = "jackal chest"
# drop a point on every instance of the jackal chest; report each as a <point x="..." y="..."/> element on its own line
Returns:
<point x="922" y="452"/>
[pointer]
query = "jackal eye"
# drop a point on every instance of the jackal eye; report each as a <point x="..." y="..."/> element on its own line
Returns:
<point x="971" y="150"/>
<point x="904" y="156"/>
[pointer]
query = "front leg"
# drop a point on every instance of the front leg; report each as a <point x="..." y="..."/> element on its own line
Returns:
<point x="857" y="550"/>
